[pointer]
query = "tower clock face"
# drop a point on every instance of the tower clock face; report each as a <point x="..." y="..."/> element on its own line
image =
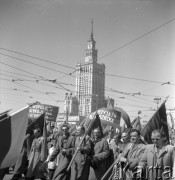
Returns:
<point x="90" y="46"/>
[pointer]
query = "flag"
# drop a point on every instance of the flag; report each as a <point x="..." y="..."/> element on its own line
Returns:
<point x="92" y="122"/>
<point x="12" y="135"/>
<point x="38" y="123"/>
<point x="158" y="121"/>
<point x="124" y="116"/>
<point x="109" y="117"/>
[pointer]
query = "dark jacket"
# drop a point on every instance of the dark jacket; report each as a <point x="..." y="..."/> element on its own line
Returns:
<point x="81" y="164"/>
<point x="100" y="164"/>
<point x="64" y="158"/>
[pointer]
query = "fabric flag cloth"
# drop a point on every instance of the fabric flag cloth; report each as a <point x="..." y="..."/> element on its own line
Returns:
<point x="158" y="121"/>
<point x="92" y="122"/>
<point x="38" y="123"/>
<point x="12" y="134"/>
<point x="124" y="116"/>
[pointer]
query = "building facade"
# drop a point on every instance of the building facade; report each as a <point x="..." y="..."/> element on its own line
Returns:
<point x="71" y="105"/>
<point x="90" y="80"/>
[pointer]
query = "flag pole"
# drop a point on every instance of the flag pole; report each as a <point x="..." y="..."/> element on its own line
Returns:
<point x="81" y="141"/>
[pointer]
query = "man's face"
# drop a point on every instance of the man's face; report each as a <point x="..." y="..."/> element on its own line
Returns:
<point x="65" y="130"/>
<point x="134" y="137"/>
<point x="156" y="139"/>
<point x="116" y="139"/>
<point x="36" y="133"/>
<point x="79" y="131"/>
<point x="124" y="137"/>
<point x="96" y="134"/>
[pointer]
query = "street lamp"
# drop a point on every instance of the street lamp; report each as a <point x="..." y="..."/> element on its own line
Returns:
<point x="68" y="98"/>
<point x="157" y="101"/>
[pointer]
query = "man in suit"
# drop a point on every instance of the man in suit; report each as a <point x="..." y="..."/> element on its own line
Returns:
<point x="81" y="164"/>
<point x="158" y="158"/>
<point x="64" y="147"/>
<point x="99" y="162"/>
<point x="36" y="156"/>
<point x="134" y="154"/>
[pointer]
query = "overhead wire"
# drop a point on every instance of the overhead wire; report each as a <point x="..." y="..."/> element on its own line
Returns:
<point x="22" y="70"/>
<point x="70" y="74"/>
<point x="24" y="91"/>
<point x="18" y="74"/>
<point x="113" y="75"/>
<point x="136" y="39"/>
<point x="126" y="98"/>
<point x="112" y="91"/>
<point x="46" y="93"/>
<point x="34" y="57"/>
<point x="25" y="86"/>
<point x="19" y="59"/>
<point x="15" y="78"/>
<point x="100" y="57"/>
<point x="128" y="44"/>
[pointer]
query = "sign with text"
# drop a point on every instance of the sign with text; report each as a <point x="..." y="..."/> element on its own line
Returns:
<point x="36" y="110"/>
<point x="109" y="116"/>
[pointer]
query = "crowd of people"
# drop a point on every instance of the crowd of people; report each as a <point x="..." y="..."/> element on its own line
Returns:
<point x="82" y="157"/>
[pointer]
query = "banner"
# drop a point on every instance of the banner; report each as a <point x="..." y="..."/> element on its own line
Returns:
<point x="36" y="110"/>
<point x="109" y="116"/>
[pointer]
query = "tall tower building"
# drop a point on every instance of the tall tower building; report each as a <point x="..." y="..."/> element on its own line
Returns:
<point x="90" y="80"/>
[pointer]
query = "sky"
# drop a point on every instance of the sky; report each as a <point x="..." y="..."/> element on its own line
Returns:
<point x="41" y="42"/>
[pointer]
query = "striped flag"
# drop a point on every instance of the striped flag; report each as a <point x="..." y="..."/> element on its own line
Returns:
<point x="12" y="134"/>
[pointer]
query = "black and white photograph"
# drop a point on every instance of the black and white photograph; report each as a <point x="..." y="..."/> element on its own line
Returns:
<point x="87" y="89"/>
